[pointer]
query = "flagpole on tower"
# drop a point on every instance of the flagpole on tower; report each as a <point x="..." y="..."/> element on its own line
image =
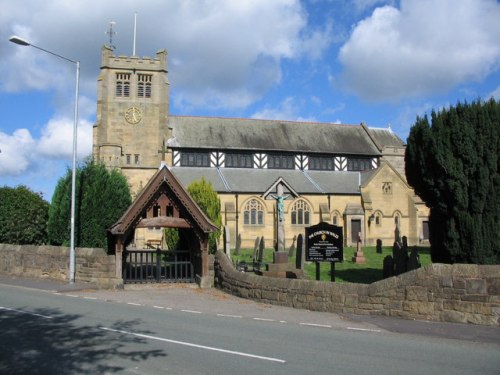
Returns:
<point x="135" y="33"/>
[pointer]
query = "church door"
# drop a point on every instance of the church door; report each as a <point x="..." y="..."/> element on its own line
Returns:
<point x="355" y="230"/>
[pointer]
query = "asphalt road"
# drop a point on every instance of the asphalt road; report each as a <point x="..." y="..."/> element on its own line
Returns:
<point x="61" y="329"/>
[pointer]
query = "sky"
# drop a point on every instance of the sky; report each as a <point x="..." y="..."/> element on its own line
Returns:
<point x="381" y="62"/>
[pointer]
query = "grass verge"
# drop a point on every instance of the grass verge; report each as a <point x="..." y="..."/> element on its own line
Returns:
<point x="347" y="271"/>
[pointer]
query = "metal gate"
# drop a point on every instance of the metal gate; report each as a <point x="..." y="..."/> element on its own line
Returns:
<point x="157" y="266"/>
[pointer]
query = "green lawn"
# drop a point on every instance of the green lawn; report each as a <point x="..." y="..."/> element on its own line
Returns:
<point x="347" y="271"/>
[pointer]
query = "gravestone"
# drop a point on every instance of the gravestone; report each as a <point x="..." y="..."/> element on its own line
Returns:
<point x="256" y="249"/>
<point x="379" y="246"/>
<point x="300" y="255"/>
<point x="397" y="235"/>
<point x="227" y="242"/>
<point x="262" y="246"/>
<point x="359" y="257"/>
<point x="291" y="251"/>
<point x="414" y="260"/>
<point x="388" y="267"/>
<point x="400" y="257"/>
<point x="238" y="245"/>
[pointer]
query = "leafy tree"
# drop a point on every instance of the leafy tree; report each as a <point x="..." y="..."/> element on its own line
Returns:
<point x="453" y="165"/>
<point x="23" y="216"/>
<point x="101" y="197"/>
<point x="205" y="196"/>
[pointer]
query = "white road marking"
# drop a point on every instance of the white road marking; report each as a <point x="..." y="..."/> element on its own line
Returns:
<point x="91" y="298"/>
<point x="316" y="325"/>
<point x="26" y="312"/>
<point x="264" y="320"/>
<point x="196" y="345"/>
<point x="192" y="311"/>
<point x="364" y="329"/>
<point x="133" y="304"/>
<point x="230" y="316"/>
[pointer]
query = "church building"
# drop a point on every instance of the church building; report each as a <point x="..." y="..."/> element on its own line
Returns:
<point x="348" y="175"/>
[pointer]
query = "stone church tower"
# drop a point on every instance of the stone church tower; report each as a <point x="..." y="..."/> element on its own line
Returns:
<point x="132" y="110"/>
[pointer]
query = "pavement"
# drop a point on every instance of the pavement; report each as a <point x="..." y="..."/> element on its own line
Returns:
<point x="190" y="298"/>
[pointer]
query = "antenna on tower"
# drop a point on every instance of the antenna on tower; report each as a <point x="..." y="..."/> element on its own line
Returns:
<point x="135" y="33"/>
<point x="111" y="32"/>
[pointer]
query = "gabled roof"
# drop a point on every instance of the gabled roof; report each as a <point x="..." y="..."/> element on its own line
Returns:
<point x="368" y="176"/>
<point x="286" y="187"/>
<point x="256" y="180"/>
<point x="383" y="138"/>
<point x="164" y="181"/>
<point x="272" y="135"/>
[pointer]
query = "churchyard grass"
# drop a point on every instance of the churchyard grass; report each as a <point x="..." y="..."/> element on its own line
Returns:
<point x="347" y="271"/>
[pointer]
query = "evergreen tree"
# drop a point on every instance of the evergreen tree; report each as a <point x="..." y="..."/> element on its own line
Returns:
<point x="23" y="216"/>
<point x="101" y="198"/>
<point x="453" y="165"/>
<point x="58" y="225"/>
<point x="205" y="196"/>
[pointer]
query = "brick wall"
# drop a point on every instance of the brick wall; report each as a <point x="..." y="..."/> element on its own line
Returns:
<point x="52" y="262"/>
<point x="440" y="292"/>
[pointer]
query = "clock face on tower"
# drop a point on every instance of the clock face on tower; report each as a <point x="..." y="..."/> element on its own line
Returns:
<point x="133" y="115"/>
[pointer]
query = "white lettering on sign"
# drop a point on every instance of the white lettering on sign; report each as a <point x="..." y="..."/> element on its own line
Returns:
<point x="320" y="232"/>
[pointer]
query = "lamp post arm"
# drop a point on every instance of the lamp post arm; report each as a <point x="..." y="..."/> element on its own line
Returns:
<point x="54" y="54"/>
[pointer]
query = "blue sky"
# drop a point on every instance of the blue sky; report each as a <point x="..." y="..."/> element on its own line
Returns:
<point x="336" y="61"/>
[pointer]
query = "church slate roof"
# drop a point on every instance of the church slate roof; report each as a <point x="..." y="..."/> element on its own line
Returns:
<point x="385" y="138"/>
<point x="273" y="135"/>
<point x="255" y="181"/>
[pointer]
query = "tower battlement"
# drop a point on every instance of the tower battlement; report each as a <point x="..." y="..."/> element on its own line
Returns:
<point x="146" y="63"/>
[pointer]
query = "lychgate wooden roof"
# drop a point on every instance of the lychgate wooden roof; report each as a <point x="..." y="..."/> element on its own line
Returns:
<point x="163" y="182"/>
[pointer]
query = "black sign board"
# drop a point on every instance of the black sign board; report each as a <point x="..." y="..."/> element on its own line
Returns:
<point x="324" y="243"/>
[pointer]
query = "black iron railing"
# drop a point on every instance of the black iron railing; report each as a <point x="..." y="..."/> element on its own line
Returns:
<point x="157" y="266"/>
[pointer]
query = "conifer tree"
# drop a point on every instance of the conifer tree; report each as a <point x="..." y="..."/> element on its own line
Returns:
<point x="101" y="198"/>
<point x="453" y="165"/>
<point x="206" y="197"/>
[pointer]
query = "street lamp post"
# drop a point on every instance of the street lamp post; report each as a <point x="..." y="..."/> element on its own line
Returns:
<point x="22" y="42"/>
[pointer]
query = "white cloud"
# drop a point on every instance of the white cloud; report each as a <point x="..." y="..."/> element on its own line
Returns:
<point x="426" y="46"/>
<point x="223" y="54"/>
<point x="288" y="109"/>
<point x="56" y="141"/>
<point x="16" y="152"/>
<point x="494" y="94"/>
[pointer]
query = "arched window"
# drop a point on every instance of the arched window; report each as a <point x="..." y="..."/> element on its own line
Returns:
<point x="300" y="213"/>
<point x="253" y="213"/>
<point x="336" y="218"/>
<point x="397" y="218"/>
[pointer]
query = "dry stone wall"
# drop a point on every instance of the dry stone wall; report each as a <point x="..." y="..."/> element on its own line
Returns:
<point x="451" y="293"/>
<point x="52" y="262"/>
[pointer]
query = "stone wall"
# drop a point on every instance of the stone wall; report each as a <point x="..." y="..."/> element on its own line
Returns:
<point x="52" y="262"/>
<point x="440" y="292"/>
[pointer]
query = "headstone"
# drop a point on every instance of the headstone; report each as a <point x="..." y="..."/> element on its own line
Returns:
<point x="397" y="235"/>
<point x="238" y="245"/>
<point x="379" y="246"/>
<point x="227" y="242"/>
<point x="291" y="251"/>
<point x="414" y="260"/>
<point x="400" y="257"/>
<point x="388" y="267"/>
<point x="300" y="256"/>
<point x="262" y="246"/>
<point x="256" y="250"/>
<point x="359" y="257"/>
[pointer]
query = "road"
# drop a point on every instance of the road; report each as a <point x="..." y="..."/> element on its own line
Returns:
<point x="190" y="331"/>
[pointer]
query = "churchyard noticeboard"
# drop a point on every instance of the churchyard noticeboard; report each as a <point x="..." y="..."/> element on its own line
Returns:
<point x="324" y="243"/>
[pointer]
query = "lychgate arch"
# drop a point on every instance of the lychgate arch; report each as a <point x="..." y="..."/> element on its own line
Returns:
<point x="163" y="203"/>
